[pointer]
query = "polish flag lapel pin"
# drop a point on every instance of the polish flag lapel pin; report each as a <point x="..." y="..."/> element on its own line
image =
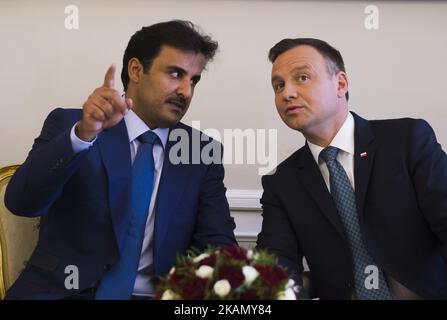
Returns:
<point x="363" y="155"/>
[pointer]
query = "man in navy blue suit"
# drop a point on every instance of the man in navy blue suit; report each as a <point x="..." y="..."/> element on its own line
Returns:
<point x="78" y="176"/>
<point x="365" y="202"/>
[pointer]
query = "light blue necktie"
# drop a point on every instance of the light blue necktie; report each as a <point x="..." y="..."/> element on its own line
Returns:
<point x="344" y="198"/>
<point x="118" y="283"/>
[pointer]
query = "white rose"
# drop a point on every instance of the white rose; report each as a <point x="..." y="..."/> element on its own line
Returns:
<point x="169" y="295"/>
<point x="290" y="283"/>
<point x="205" y="272"/>
<point x="249" y="254"/>
<point x="200" y="257"/>
<point x="222" y="288"/>
<point x="250" y="274"/>
<point x="172" y="271"/>
<point x="288" y="293"/>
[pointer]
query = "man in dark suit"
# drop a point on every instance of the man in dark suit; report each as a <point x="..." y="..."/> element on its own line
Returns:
<point x="365" y="202"/>
<point x="81" y="178"/>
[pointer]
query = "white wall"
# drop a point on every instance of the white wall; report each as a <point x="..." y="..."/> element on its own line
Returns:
<point x="398" y="70"/>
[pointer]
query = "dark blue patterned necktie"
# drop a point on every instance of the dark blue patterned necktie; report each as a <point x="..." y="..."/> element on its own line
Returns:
<point x="344" y="198"/>
<point x="119" y="282"/>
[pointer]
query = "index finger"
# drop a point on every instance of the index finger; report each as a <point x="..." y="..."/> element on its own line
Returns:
<point x="109" y="78"/>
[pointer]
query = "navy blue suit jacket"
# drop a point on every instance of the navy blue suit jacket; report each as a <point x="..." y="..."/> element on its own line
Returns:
<point x="401" y="195"/>
<point x="83" y="201"/>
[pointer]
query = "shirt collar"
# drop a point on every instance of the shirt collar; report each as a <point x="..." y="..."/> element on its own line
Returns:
<point x="343" y="140"/>
<point x="136" y="127"/>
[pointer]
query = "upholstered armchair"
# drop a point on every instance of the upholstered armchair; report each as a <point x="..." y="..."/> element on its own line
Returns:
<point x="18" y="237"/>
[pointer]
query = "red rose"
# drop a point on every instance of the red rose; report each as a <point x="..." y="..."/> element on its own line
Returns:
<point x="209" y="261"/>
<point x="194" y="289"/>
<point x="272" y="275"/>
<point x="234" y="275"/>
<point x="235" y="252"/>
<point x="175" y="279"/>
<point x="249" y="295"/>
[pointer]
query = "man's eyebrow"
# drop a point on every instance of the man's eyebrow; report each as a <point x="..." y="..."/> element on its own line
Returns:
<point x="302" y="68"/>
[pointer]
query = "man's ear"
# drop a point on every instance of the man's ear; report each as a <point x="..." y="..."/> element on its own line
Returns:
<point x="134" y="70"/>
<point x="342" y="84"/>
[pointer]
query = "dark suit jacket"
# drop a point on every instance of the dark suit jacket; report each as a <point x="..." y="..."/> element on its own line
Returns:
<point x="83" y="201"/>
<point x="401" y="195"/>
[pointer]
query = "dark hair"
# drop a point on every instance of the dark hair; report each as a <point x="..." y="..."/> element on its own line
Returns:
<point x="146" y="43"/>
<point x="334" y="60"/>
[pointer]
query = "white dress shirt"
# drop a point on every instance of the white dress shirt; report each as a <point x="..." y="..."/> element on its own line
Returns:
<point x="343" y="140"/>
<point x="135" y="127"/>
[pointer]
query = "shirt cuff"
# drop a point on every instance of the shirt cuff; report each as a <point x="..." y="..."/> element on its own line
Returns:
<point x="77" y="144"/>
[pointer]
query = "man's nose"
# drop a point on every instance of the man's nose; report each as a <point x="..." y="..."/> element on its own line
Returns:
<point x="290" y="92"/>
<point x="185" y="88"/>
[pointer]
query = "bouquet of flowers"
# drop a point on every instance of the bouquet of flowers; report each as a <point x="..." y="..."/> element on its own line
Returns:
<point x="227" y="273"/>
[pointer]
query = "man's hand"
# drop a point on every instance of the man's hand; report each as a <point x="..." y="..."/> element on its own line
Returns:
<point x="103" y="109"/>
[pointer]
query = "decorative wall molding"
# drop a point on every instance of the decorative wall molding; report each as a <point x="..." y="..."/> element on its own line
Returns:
<point x="244" y="199"/>
<point x="246" y="210"/>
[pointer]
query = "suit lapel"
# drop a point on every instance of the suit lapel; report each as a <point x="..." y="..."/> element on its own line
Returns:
<point x="115" y="152"/>
<point x="312" y="180"/>
<point x="364" y="152"/>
